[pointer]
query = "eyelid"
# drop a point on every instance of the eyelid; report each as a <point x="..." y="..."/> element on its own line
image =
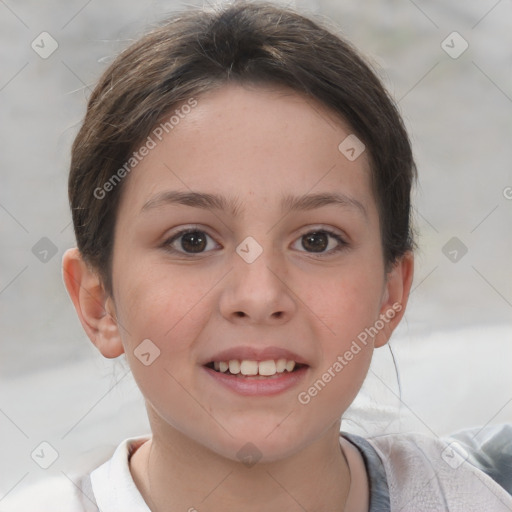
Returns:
<point x="323" y="227"/>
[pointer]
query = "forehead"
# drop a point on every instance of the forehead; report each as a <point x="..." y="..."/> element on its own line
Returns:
<point x="249" y="142"/>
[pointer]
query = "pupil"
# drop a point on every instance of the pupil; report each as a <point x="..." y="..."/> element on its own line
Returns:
<point x="316" y="246"/>
<point x="196" y="240"/>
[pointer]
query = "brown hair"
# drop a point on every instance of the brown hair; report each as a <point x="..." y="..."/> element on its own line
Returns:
<point x="200" y="50"/>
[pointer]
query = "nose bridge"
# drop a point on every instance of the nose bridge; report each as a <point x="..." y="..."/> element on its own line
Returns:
<point x="257" y="264"/>
<point x="256" y="289"/>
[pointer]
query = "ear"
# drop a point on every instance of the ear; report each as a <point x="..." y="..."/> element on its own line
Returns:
<point x="95" y="308"/>
<point x="396" y="294"/>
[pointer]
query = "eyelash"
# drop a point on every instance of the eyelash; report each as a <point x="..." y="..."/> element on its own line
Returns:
<point x="167" y="245"/>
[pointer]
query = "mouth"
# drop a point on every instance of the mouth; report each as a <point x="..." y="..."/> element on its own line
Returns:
<point x="246" y="368"/>
<point x="256" y="371"/>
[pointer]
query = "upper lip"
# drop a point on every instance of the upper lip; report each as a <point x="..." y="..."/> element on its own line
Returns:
<point x="252" y="353"/>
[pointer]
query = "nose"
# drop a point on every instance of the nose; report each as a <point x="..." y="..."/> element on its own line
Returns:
<point x="258" y="292"/>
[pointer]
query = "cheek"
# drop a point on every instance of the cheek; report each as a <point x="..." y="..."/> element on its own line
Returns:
<point x="337" y="383"/>
<point x="350" y="304"/>
<point x="154" y="293"/>
<point x="167" y="309"/>
<point x="346" y="302"/>
<point x="162" y="306"/>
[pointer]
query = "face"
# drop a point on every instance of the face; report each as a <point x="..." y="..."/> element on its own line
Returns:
<point x="271" y="275"/>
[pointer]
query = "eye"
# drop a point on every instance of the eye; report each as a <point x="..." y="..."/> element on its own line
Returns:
<point x="188" y="241"/>
<point x="193" y="240"/>
<point x="317" y="241"/>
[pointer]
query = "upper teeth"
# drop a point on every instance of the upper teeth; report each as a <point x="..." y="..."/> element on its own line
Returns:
<point x="247" y="367"/>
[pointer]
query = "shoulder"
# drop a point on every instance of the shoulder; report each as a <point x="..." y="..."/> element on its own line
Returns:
<point x="55" y="493"/>
<point x="71" y="491"/>
<point x="107" y="487"/>
<point x="468" y="470"/>
<point x="490" y="449"/>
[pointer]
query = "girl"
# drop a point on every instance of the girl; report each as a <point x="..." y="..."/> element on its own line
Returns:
<point x="240" y="191"/>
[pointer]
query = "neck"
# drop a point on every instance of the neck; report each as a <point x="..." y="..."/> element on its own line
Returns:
<point x="173" y="472"/>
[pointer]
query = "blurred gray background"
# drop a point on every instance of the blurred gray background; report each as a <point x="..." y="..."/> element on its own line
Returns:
<point x="454" y="348"/>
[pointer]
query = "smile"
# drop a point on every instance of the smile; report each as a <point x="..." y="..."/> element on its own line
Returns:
<point x="257" y="378"/>
<point x="248" y="367"/>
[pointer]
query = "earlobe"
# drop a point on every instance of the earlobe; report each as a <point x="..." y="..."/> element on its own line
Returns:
<point x="95" y="308"/>
<point x="395" y="298"/>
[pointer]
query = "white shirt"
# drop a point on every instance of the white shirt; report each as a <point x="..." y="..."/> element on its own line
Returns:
<point x="406" y="472"/>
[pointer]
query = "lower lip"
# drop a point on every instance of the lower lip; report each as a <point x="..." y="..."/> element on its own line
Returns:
<point x="251" y="386"/>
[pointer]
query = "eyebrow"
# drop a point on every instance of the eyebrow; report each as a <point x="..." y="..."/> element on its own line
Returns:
<point x="218" y="202"/>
